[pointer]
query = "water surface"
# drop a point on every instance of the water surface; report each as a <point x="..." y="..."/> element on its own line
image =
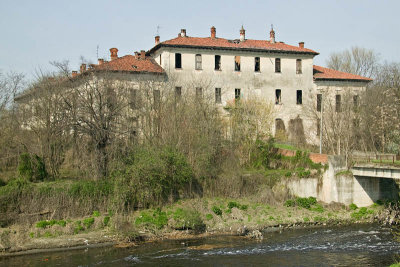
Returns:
<point x="361" y="245"/>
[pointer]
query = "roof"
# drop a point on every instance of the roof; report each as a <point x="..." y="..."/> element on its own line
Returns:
<point x="321" y="73"/>
<point x="130" y="63"/>
<point x="225" y="44"/>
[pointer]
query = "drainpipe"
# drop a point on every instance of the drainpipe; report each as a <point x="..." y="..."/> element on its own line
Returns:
<point x="320" y="127"/>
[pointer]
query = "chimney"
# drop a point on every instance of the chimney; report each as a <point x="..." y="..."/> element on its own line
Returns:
<point x="114" y="53"/>
<point x="74" y="73"/>
<point x="183" y="32"/>
<point x="157" y="39"/>
<point x="242" y="34"/>
<point x="142" y="54"/>
<point x="213" y="32"/>
<point x="136" y="55"/>
<point x="100" y="61"/>
<point x="301" y="44"/>
<point x="83" y="68"/>
<point x="272" y="35"/>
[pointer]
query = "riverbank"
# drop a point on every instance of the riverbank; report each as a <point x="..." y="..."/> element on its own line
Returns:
<point x="186" y="219"/>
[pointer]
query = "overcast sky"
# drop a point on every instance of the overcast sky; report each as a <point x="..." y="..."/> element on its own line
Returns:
<point x="32" y="33"/>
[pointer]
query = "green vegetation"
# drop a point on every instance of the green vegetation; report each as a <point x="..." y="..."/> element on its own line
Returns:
<point x="44" y="224"/>
<point x="209" y="216"/>
<point x="353" y="206"/>
<point x="106" y="220"/>
<point x="96" y="213"/>
<point x="217" y="210"/>
<point x="361" y="213"/>
<point x="32" y="168"/>
<point x="188" y="219"/>
<point x="156" y="218"/>
<point x="88" y="222"/>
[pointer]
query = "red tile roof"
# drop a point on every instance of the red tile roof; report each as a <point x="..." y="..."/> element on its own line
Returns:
<point x="221" y="43"/>
<point x="321" y="73"/>
<point x="130" y="63"/>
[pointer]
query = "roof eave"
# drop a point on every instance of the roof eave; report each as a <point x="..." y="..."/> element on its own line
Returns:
<point x="342" y="80"/>
<point x="155" y="48"/>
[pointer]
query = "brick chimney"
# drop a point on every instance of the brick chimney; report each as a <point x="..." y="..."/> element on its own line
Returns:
<point x="100" y="61"/>
<point x="74" y="73"/>
<point x="142" y="54"/>
<point x="83" y="68"/>
<point x="213" y="32"/>
<point x="157" y="39"/>
<point x="114" y="53"/>
<point x="272" y="35"/>
<point x="301" y="44"/>
<point x="183" y="32"/>
<point x="242" y="34"/>
<point x="136" y="54"/>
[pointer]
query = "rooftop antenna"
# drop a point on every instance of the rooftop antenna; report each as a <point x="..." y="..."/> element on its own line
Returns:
<point x="97" y="51"/>
<point x="272" y="27"/>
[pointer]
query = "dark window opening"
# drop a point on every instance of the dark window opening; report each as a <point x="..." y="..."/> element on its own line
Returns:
<point x="134" y="99"/>
<point x="217" y="95"/>
<point x="237" y="94"/>
<point x="299" y="97"/>
<point x="257" y="64"/>
<point x="198" y="62"/>
<point x="319" y="102"/>
<point x="237" y="63"/>
<point x="278" y="99"/>
<point x="298" y="66"/>
<point x="338" y="103"/>
<point x="178" y="92"/>
<point x="160" y="59"/>
<point x="217" y="62"/>
<point x="178" y="61"/>
<point x="199" y="92"/>
<point x="157" y="96"/>
<point x="277" y="65"/>
<point x="355" y="101"/>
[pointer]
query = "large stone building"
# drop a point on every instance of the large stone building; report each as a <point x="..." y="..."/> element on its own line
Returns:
<point x="282" y="74"/>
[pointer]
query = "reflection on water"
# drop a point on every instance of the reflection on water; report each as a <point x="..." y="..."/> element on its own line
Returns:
<point x="366" y="245"/>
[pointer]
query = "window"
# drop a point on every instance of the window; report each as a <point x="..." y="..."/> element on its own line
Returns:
<point x="156" y="95"/>
<point x="298" y="66"/>
<point x="178" y="93"/>
<point x="198" y="62"/>
<point x="199" y="92"/>
<point x="178" y="61"/>
<point x="160" y="59"/>
<point x="217" y="95"/>
<point x="278" y="99"/>
<point x="134" y="99"/>
<point x="237" y="94"/>
<point x="338" y="103"/>
<point x="299" y="97"/>
<point x="319" y="102"/>
<point x="355" y="101"/>
<point x="277" y="65"/>
<point x="257" y="64"/>
<point x="237" y="63"/>
<point x="217" y="62"/>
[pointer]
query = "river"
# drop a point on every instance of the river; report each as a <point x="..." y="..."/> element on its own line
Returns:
<point x="357" y="245"/>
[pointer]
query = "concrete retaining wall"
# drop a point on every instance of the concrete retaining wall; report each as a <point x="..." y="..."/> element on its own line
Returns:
<point x="338" y="186"/>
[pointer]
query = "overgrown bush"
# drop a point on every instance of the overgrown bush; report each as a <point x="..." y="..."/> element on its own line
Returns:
<point x="188" y="219"/>
<point x="157" y="219"/>
<point x="217" y="210"/>
<point x="32" y="167"/>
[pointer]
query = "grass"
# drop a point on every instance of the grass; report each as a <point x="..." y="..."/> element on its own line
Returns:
<point x="285" y="146"/>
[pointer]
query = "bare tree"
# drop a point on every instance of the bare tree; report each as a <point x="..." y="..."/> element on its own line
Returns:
<point x="356" y="60"/>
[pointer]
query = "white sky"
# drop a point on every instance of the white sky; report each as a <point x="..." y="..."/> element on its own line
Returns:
<point x="32" y="33"/>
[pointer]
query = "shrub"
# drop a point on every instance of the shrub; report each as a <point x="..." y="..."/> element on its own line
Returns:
<point x="318" y="208"/>
<point x="78" y="227"/>
<point x="188" y="219"/>
<point x="290" y="203"/>
<point x="233" y="204"/>
<point x="158" y="218"/>
<point x="305" y="202"/>
<point x="88" y="222"/>
<point x="244" y="207"/>
<point x="106" y="220"/>
<point x="353" y="206"/>
<point x="96" y="213"/>
<point x="42" y="224"/>
<point x="288" y="174"/>
<point x="361" y="213"/>
<point x="62" y="223"/>
<point x="306" y="219"/>
<point x="209" y="216"/>
<point x="217" y="210"/>
<point x="32" y="168"/>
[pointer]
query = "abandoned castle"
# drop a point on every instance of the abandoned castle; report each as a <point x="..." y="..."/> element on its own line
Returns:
<point x="281" y="74"/>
